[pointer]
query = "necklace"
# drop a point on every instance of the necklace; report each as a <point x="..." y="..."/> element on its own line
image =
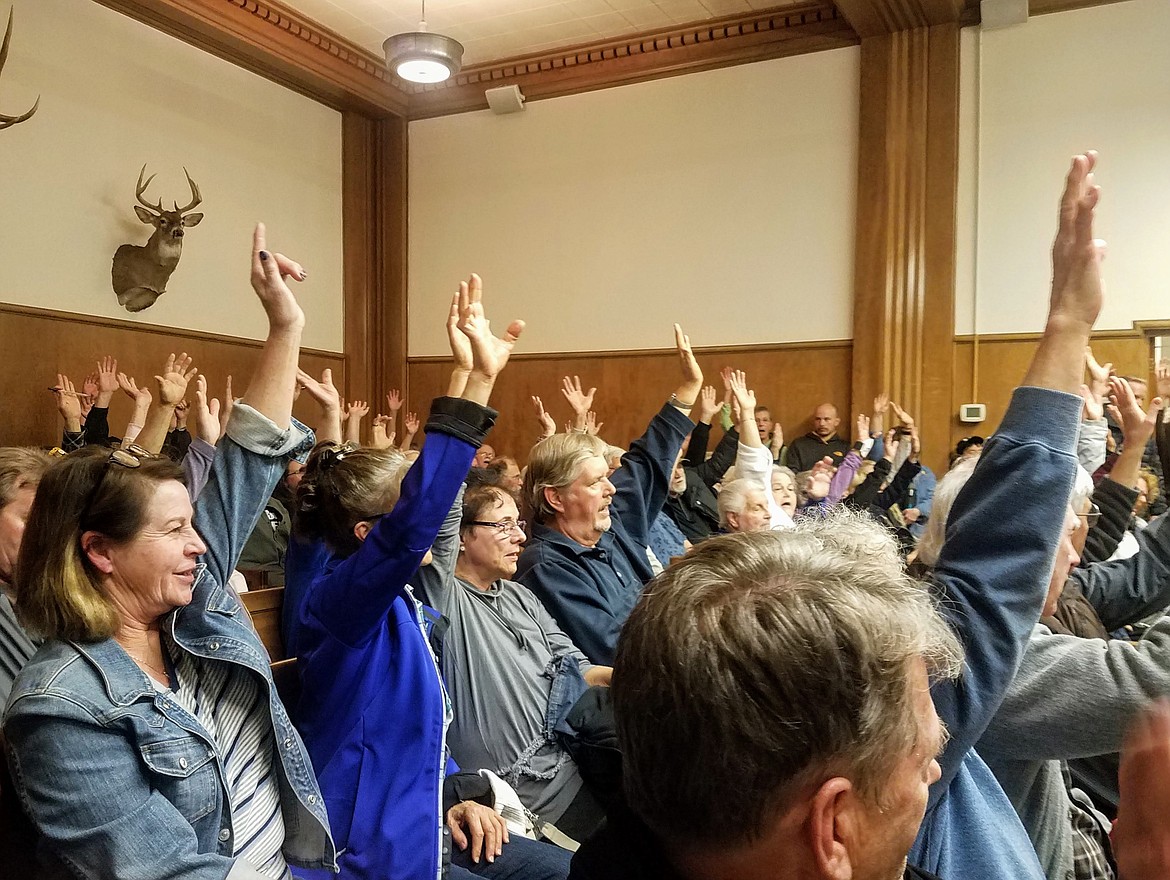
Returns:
<point x="149" y="665"/>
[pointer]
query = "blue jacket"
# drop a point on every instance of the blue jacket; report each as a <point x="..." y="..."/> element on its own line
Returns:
<point x="992" y="576"/>
<point x="119" y="778"/>
<point x="373" y="709"/>
<point x="590" y="591"/>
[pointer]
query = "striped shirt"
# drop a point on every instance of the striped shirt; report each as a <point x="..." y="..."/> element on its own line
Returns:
<point x="229" y="703"/>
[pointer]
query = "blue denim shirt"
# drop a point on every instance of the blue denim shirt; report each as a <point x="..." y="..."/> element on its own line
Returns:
<point x="119" y="778"/>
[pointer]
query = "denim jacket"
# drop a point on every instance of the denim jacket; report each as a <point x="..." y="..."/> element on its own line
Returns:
<point x="121" y="781"/>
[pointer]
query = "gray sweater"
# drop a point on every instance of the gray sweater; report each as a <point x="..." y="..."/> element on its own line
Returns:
<point x="497" y="659"/>
<point x="1074" y="697"/>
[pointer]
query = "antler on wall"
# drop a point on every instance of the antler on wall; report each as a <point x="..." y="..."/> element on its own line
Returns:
<point x="9" y="121"/>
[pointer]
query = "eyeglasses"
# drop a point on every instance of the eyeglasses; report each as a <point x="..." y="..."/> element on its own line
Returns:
<point x="504" y="528"/>
<point x="335" y="454"/>
<point x="1093" y="516"/>
<point x="129" y="457"/>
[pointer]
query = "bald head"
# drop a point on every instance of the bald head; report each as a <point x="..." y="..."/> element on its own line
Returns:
<point x="825" y="420"/>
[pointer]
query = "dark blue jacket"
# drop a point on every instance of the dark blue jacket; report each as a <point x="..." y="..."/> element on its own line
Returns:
<point x="373" y="710"/>
<point x="992" y="577"/>
<point x="592" y="590"/>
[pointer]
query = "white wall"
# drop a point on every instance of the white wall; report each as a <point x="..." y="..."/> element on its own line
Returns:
<point x="724" y="200"/>
<point x="115" y="94"/>
<point x="1034" y="95"/>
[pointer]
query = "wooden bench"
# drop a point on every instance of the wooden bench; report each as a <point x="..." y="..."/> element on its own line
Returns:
<point x="265" y="607"/>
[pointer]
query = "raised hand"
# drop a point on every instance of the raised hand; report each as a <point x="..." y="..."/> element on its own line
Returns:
<point x="707" y="405"/>
<point x="820" y="480"/>
<point x="692" y="376"/>
<point x="592" y="426"/>
<point x="207" y="427"/>
<point x="1098" y="374"/>
<point x="1077" y="293"/>
<point x="459" y="341"/>
<point x="411" y="424"/>
<point x="394" y="402"/>
<point x="580" y="401"/>
<point x="904" y="417"/>
<point x="269" y="272"/>
<point x="489" y="353"/>
<point x="1093" y="409"/>
<point x="881" y="406"/>
<point x="1137" y="426"/>
<point x="915" y="443"/>
<point x="743" y="396"/>
<point x="323" y="391"/>
<point x="382" y="432"/>
<point x="90" y="388"/>
<point x="68" y="403"/>
<point x="358" y="409"/>
<point x="547" y="425"/>
<point x="176" y="374"/>
<point x="892" y="442"/>
<point x="862" y="427"/>
<point x="225" y="411"/>
<point x="107" y="373"/>
<point x="181" y="414"/>
<point x="1162" y="376"/>
<point x="141" y="396"/>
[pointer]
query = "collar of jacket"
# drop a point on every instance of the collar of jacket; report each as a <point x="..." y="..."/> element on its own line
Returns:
<point x="545" y="533"/>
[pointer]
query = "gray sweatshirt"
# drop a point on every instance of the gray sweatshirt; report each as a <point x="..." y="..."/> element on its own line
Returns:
<point x="1074" y="697"/>
<point x="497" y="660"/>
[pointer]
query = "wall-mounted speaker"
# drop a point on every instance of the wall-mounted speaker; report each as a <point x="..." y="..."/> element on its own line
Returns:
<point x="505" y="99"/>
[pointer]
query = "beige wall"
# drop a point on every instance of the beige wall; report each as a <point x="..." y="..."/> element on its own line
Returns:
<point x="723" y="200"/>
<point x="1033" y="95"/>
<point x="115" y="94"/>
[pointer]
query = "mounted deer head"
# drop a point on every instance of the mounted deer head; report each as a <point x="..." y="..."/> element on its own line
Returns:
<point x="9" y="121"/>
<point x="140" y="274"/>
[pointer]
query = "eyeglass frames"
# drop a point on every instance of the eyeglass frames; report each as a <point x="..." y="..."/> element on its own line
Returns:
<point x="129" y="457"/>
<point x="504" y="528"/>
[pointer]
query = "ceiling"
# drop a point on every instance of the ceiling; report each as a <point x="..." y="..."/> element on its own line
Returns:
<point x="494" y="29"/>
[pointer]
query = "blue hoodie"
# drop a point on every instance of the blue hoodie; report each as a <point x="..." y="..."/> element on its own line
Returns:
<point x="373" y="710"/>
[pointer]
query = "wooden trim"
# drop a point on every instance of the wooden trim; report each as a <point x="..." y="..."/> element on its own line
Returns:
<point x="871" y="18"/>
<point x="1044" y="7"/>
<point x="904" y="276"/>
<point x="374" y="235"/>
<point x="968" y="338"/>
<point x="155" y="329"/>
<point x="653" y="352"/>
<point x="270" y="39"/>
<point x="792" y="30"/>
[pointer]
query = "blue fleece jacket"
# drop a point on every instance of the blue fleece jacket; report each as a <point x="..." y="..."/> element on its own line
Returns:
<point x="590" y="591"/>
<point x="373" y="711"/>
<point x="992" y="577"/>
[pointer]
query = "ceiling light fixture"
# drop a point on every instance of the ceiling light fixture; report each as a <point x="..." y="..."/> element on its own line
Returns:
<point x="423" y="57"/>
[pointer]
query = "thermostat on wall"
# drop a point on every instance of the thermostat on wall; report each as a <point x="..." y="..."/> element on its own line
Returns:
<point x="972" y="412"/>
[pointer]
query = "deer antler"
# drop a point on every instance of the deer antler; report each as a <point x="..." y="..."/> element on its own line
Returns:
<point x="9" y="121"/>
<point x="195" y="197"/>
<point x="141" y="188"/>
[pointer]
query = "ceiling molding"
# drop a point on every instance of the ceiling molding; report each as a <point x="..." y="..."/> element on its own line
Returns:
<point x="756" y="36"/>
<point x="281" y="45"/>
<point x="871" y="18"/>
<point x="1043" y="7"/>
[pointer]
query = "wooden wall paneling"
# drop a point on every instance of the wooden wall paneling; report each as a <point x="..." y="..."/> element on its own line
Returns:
<point x="903" y="314"/>
<point x="39" y="343"/>
<point x="375" y="244"/>
<point x="1004" y="359"/>
<point x="791" y="379"/>
<point x="871" y="18"/>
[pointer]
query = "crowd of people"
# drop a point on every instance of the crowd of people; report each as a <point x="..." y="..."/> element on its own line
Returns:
<point x="816" y="659"/>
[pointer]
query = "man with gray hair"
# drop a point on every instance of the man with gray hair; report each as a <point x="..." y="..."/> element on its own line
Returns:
<point x="587" y="558"/>
<point x="773" y="692"/>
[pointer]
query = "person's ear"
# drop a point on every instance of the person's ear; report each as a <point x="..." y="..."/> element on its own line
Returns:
<point x="834" y="827"/>
<point x="96" y="548"/>
<point x="361" y="529"/>
<point x="552" y="497"/>
<point x="733" y="521"/>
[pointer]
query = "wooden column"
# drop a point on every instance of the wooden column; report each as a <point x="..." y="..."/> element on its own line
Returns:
<point x="903" y="314"/>
<point x="374" y="213"/>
